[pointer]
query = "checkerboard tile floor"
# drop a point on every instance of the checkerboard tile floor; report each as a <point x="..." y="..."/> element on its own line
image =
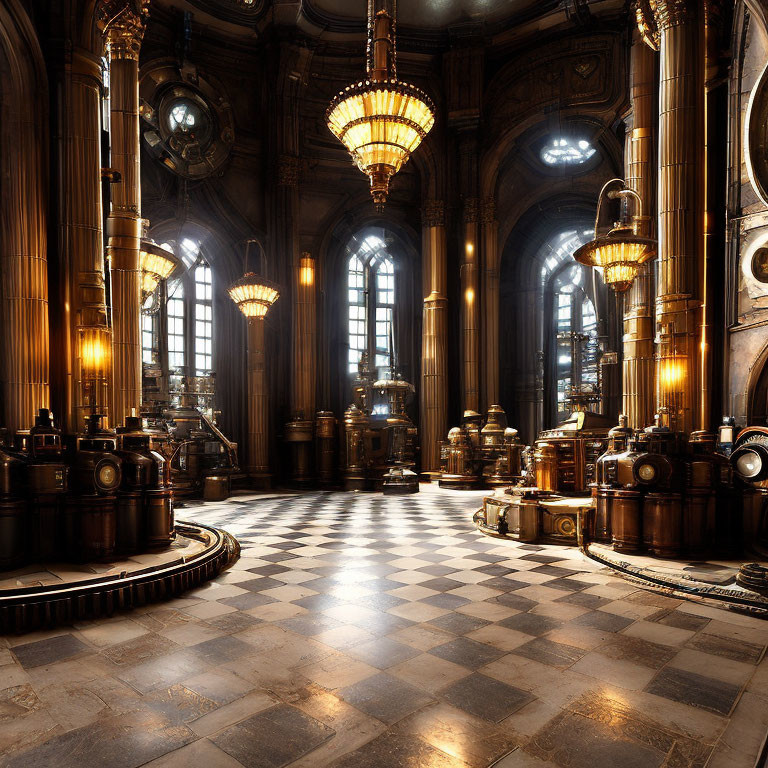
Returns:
<point x="364" y="631"/>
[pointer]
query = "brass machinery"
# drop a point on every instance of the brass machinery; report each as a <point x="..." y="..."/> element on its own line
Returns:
<point x="668" y="494"/>
<point x="201" y="458"/>
<point x="481" y="456"/>
<point x="554" y="482"/>
<point x="379" y="444"/>
<point x="85" y="497"/>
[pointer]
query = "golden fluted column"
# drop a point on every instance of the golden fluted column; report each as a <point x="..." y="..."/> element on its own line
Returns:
<point x="470" y="307"/>
<point x="638" y="367"/>
<point x="304" y="371"/>
<point x="23" y="259"/>
<point x="123" y="36"/>
<point x="84" y="349"/>
<point x="681" y="210"/>
<point x="433" y="408"/>
<point x="490" y="264"/>
<point x="257" y="454"/>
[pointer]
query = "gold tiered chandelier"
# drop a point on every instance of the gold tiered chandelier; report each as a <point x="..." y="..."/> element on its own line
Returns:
<point x="621" y="250"/>
<point x="381" y="120"/>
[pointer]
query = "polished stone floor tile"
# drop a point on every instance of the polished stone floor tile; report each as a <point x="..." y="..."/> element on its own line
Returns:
<point x="391" y="750"/>
<point x="468" y="653"/>
<point x="273" y="738"/>
<point x="458" y="623"/>
<point x="547" y="652"/>
<point x="694" y="690"/>
<point x="531" y="623"/>
<point x="486" y="697"/>
<point x="607" y="622"/>
<point x="49" y="651"/>
<point x="383" y="652"/>
<point x="385" y="697"/>
<point x="736" y="650"/>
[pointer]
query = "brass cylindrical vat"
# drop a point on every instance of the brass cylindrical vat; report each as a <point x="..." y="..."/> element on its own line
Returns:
<point x="13" y="539"/>
<point x="603" y="513"/>
<point x="91" y="527"/>
<point x="664" y="514"/>
<point x="698" y="516"/>
<point x="216" y="487"/>
<point x="545" y="464"/>
<point x="158" y="518"/>
<point x="627" y="521"/>
<point x="298" y="435"/>
<point x="46" y="535"/>
<point x="325" y="447"/>
<point x="129" y="523"/>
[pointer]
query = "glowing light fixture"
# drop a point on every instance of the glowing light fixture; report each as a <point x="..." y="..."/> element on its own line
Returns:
<point x="306" y="270"/>
<point x="621" y="249"/>
<point x="381" y="120"/>
<point x="157" y="264"/>
<point x="253" y="293"/>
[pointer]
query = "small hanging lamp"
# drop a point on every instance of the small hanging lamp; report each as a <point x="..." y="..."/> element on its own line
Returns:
<point x="621" y="250"/>
<point x="381" y="120"/>
<point x="157" y="264"/>
<point x="253" y="293"/>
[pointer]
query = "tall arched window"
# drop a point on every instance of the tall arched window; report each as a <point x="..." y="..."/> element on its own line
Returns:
<point x="177" y="324"/>
<point x="371" y="304"/>
<point x="573" y="342"/>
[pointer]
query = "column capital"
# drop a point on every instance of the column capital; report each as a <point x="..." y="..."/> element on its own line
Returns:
<point x="471" y="213"/>
<point x="288" y="171"/>
<point x="488" y="210"/>
<point x="433" y="213"/>
<point x="646" y="23"/>
<point x="123" y="23"/>
<point x="673" y="13"/>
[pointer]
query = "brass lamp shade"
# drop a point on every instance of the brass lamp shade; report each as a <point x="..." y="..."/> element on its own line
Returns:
<point x="380" y="123"/>
<point x="157" y="264"/>
<point x="254" y="294"/>
<point x="619" y="253"/>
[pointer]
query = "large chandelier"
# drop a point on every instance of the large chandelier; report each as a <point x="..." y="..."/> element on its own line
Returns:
<point x="621" y="250"/>
<point x="253" y="293"/>
<point x="157" y="264"/>
<point x="381" y="120"/>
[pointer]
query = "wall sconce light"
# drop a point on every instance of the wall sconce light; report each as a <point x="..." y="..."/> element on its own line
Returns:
<point x="95" y="356"/>
<point x="306" y="270"/>
<point x="620" y="250"/>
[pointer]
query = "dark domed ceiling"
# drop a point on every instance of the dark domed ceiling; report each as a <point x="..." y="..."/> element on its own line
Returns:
<point x="432" y="13"/>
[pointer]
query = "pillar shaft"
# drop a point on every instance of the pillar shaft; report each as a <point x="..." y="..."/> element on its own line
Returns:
<point x="490" y="264"/>
<point x="124" y="37"/>
<point x="681" y="210"/>
<point x="258" y="402"/>
<point x="434" y="343"/>
<point x="470" y="308"/>
<point x="304" y="338"/>
<point x="638" y="365"/>
<point x="23" y="264"/>
<point x="84" y="351"/>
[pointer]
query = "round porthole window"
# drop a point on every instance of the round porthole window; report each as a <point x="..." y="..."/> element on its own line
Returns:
<point x="760" y="264"/>
<point x="184" y="117"/>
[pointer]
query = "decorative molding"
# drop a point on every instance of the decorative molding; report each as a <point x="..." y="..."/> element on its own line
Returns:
<point x="123" y="24"/>
<point x="288" y="171"/>
<point x="433" y="213"/>
<point x="488" y="211"/>
<point x="673" y="13"/>
<point x="471" y="213"/>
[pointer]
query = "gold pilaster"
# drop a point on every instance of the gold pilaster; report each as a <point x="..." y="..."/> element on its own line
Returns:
<point x="470" y="307"/>
<point x="23" y="263"/>
<point x="304" y="337"/>
<point x="257" y="455"/>
<point x="434" y="345"/>
<point x="490" y="263"/>
<point x="123" y="37"/>
<point x="85" y="347"/>
<point x="638" y="365"/>
<point x="681" y="210"/>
